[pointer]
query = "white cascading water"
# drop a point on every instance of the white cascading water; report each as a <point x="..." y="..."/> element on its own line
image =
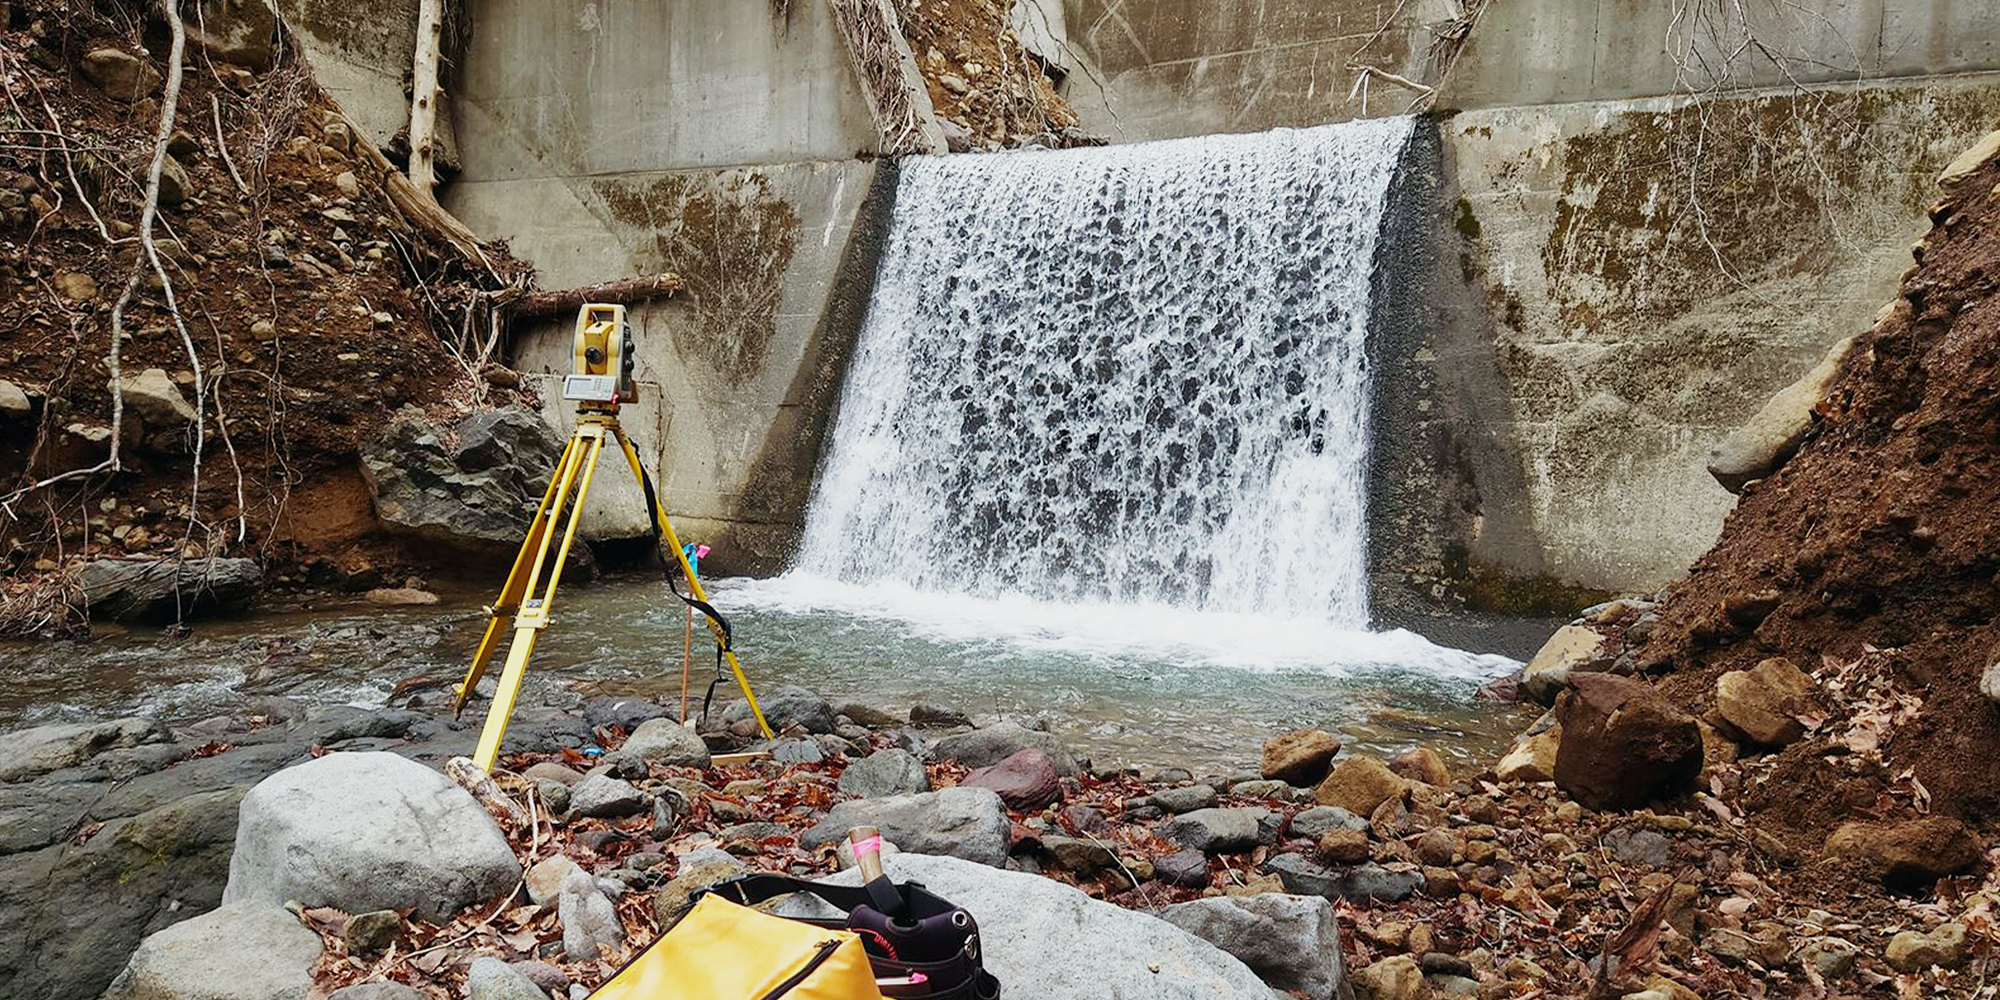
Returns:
<point x="1134" y="374"/>
<point x="1113" y="404"/>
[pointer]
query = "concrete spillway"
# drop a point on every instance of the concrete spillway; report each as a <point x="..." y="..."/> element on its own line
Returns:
<point x="1135" y="374"/>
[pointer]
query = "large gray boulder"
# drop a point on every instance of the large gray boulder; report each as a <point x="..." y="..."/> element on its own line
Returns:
<point x="995" y="743"/>
<point x="1047" y="940"/>
<point x="968" y="823"/>
<point x="167" y="589"/>
<point x="37" y="751"/>
<point x="72" y="912"/>
<point x="884" y="773"/>
<point x="250" y="950"/>
<point x="368" y="831"/>
<point x="1769" y="438"/>
<point x="1293" y="942"/>
<point x="664" y="741"/>
<point x="477" y="495"/>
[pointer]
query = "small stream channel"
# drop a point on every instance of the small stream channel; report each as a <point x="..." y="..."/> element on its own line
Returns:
<point x="1169" y="687"/>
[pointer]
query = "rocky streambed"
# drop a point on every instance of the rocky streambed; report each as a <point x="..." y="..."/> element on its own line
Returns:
<point x="322" y="852"/>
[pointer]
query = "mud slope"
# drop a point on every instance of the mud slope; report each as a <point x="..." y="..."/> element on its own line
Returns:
<point x="1879" y="544"/>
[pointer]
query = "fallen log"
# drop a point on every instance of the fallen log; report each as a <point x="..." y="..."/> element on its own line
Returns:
<point x="623" y="292"/>
<point x="504" y="810"/>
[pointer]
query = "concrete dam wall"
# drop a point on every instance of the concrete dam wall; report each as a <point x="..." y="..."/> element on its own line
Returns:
<point x="1595" y="276"/>
<point x="1622" y="273"/>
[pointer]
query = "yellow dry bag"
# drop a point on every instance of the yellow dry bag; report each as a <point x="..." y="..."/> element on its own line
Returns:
<point x="723" y="951"/>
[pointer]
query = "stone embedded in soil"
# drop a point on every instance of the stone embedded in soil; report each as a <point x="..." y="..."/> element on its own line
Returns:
<point x="1320" y="820"/>
<point x="605" y="796"/>
<point x="1299" y="758"/>
<point x="1025" y="781"/>
<point x="671" y="903"/>
<point x="1532" y="758"/>
<point x="1080" y="855"/>
<point x="1622" y="744"/>
<point x="1186" y="798"/>
<point x="1572" y="649"/>
<point x="625" y="713"/>
<point x="1831" y="957"/>
<point x="376" y="991"/>
<point x="1913" y="952"/>
<point x="664" y="741"/>
<point x="786" y="707"/>
<point x="549" y="770"/>
<point x="925" y="716"/>
<point x="1771" y="436"/>
<point x="250" y="950"/>
<point x="493" y="979"/>
<point x="1216" y="831"/>
<point x="75" y="286"/>
<point x="545" y="878"/>
<point x="1970" y="161"/>
<point x="968" y="823"/>
<point x="1908" y="854"/>
<point x="1393" y="978"/>
<point x="1291" y="942"/>
<point x="1359" y="785"/>
<point x="1262" y="788"/>
<point x="1421" y="764"/>
<point x="154" y="398"/>
<point x="1989" y="680"/>
<point x="371" y="932"/>
<point x="885" y="773"/>
<point x="589" y="922"/>
<point x="989" y="746"/>
<point x="120" y="74"/>
<point x="1187" y="869"/>
<point x="1361" y="882"/>
<point x="176" y="185"/>
<point x="1344" y="847"/>
<point x="1635" y="846"/>
<point x="862" y="714"/>
<point x="14" y="403"/>
<point x="1764" y="702"/>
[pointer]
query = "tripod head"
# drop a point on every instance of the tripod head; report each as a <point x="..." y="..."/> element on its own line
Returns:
<point x="602" y="359"/>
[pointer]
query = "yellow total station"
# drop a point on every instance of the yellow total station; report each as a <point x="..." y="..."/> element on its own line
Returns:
<point x="600" y="379"/>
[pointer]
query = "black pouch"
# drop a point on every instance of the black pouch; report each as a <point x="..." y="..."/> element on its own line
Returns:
<point x="910" y="933"/>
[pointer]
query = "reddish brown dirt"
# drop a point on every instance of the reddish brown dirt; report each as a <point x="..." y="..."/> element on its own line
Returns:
<point x="979" y="75"/>
<point x="1881" y="539"/>
<point x="349" y="340"/>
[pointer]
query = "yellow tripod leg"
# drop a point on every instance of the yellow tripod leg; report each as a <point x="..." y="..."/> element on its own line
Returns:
<point x="534" y="614"/>
<point x="501" y="615"/>
<point x="694" y="583"/>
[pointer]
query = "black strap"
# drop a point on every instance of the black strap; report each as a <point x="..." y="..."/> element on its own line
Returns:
<point x="880" y="893"/>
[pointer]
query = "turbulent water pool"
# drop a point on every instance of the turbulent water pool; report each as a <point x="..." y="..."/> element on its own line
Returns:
<point x="1120" y="683"/>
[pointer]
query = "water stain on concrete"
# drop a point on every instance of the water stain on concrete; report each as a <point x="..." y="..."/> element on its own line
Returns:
<point x="731" y="240"/>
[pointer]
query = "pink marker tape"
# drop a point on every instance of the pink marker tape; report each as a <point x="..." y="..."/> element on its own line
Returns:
<point x="867" y="845"/>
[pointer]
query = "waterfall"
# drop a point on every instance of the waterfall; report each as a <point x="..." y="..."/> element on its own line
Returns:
<point x="1128" y="375"/>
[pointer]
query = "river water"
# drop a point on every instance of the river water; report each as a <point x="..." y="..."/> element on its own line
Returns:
<point x="1120" y="684"/>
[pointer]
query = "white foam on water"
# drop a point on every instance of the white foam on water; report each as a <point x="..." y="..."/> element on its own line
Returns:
<point x="1113" y="633"/>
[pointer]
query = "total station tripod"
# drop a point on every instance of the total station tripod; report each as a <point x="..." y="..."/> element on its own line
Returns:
<point x="600" y="378"/>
